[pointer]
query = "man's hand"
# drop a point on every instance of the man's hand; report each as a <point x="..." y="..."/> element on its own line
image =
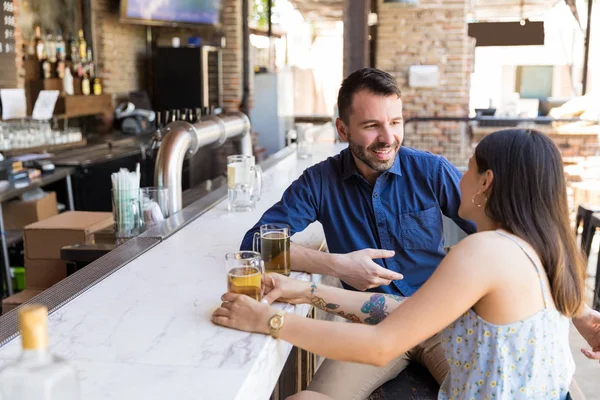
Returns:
<point x="285" y="289"/>
<point x="358" y="269"/>
<point x="588" y="325"/>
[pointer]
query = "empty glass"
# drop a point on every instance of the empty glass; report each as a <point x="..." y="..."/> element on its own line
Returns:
<point x="305" y="140"/>
<point x="155" y="205"/>
<point x="28" y="133"/>
<point x="244" y="183"/>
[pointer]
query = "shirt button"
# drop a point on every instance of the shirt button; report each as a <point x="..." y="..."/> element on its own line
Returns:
<point x="376" y="195"/>
<point x="381" y="224"/>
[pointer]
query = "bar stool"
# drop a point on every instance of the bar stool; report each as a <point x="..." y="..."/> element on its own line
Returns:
<point x="593" y="225"/>
<point x="584" y="214"/>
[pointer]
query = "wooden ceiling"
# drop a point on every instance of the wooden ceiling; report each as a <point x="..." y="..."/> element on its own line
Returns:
<point x="483" y="10"/>
<point x="320" y="10"/>
<point x="490" y="10"/>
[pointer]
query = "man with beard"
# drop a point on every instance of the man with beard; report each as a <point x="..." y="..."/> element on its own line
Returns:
<point x="381" y="208"/>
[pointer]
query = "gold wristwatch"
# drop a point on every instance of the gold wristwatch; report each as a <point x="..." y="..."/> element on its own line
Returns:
<point x="275" y="324"/>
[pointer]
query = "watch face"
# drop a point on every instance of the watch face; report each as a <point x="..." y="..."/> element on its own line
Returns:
<point x="276" y="322"/>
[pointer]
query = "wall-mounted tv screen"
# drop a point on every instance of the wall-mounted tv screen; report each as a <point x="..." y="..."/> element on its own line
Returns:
<point x="171" y="12"/>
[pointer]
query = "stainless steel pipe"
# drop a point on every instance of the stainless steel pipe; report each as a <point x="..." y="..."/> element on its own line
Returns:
<point x="182" y="139"/>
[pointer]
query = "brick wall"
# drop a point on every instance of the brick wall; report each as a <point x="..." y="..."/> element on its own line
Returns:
<point x="576" y="143"/>
<point x="433" y="33"/>
<point x="122" y="49"/>
<point x="232" y="54"/>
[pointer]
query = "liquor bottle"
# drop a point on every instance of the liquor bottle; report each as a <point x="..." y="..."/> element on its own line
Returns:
<point x="68" y="82"/>
<point x="61" y="53"/>
<point x="40" y="46"/>
<point x="97" y="87"/>
<point x="37" y="374"/>
<point x="50" y="48"/>
<point x="46" y="69"/>
<point x="60" y="69"/>
<point x="85" y="84"/>
<point x="73" y="54"/>
<point x="82" y="47"/>
<point x="29" y="49"/>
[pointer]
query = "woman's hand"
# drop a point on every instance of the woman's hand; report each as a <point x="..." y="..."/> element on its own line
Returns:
<point x="241" y="312"/>
<point x="285" y="289"/>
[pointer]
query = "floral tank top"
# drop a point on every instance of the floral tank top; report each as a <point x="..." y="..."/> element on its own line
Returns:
<point x="527" y="359"/>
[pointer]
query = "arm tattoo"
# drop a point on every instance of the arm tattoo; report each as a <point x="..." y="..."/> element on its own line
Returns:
<point x="376" y="307"/>
<point x="399" y="299"/>
<point x="320" y="303"/>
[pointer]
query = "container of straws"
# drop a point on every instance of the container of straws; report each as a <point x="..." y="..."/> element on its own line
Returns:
<point x="127" y="205"/>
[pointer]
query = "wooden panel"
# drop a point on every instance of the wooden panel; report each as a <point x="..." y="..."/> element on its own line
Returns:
<point x="356" y="35"/>
<point x="78" y="106"/>
<point x="33" y="88"/>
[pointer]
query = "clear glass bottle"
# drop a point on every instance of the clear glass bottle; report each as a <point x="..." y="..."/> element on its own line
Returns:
<point x="61" y="53"/>
<point x="50" y="48"/>
<point x="37" y="374"/>
<point x="40" y="46"/>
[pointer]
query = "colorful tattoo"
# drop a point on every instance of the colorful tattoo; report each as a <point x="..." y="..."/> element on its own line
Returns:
<point x="376" y="308"/>
<point x="313" y="287"/>
<point x="351" y="317"/>
<point x="331" y="307"/>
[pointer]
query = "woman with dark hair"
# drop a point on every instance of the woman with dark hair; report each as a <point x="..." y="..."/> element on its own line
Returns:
<point x="502" y="297"/>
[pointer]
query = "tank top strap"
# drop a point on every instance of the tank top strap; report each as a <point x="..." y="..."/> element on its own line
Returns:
<point x="537" y="269"/>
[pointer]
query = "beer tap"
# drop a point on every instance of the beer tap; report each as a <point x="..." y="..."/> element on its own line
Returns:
<point x="157" y="137"/>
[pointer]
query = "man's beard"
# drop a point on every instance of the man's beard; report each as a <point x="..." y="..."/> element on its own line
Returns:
<point x="364" y="155"/>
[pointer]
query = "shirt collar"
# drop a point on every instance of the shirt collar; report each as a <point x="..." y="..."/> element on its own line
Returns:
<point x="349" y="166"/>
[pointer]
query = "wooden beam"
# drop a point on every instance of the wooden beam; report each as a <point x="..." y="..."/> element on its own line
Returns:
<point x="586" y="56"/>
<point x="356" y="35"/>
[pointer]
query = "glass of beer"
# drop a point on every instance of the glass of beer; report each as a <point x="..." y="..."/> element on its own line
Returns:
<point x="273" y="242"/>
<point x="244" y="273"/>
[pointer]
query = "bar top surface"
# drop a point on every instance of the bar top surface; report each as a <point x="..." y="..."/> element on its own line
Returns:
<point x="145" y="331"/>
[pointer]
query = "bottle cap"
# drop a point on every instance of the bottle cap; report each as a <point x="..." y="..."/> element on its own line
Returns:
<point x="33" y="325"/>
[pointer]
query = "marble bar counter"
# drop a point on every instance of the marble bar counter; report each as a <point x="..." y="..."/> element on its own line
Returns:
<point x="144" y="332"/>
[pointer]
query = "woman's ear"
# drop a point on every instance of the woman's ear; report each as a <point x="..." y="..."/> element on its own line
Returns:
<point x="486" y="181"/>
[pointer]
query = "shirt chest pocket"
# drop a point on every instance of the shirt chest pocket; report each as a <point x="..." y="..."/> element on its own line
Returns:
<point x="421" y="230"/>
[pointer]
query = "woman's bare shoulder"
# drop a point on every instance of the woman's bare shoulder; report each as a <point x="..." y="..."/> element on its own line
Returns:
<point x="486" y="248"/>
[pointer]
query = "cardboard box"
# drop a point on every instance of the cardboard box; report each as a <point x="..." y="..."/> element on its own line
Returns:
<point x="44" y="239"/>
<point x="18" y="213"/>
<point x="105" y="236"/>
<point x="42" y="274"/>
<point x="16" y="300"/>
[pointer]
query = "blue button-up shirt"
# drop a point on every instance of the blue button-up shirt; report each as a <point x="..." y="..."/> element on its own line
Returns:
<point x="401" y="212"/>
